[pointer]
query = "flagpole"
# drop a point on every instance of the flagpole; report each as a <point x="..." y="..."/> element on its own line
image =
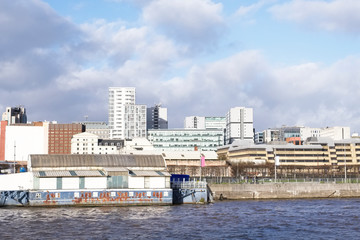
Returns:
<point x="200" y="165"/>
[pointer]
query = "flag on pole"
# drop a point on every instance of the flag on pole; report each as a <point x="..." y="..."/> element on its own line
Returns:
<point x="202" y="161"/>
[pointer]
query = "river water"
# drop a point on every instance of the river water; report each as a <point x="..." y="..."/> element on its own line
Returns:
<point x="269" y="219"/>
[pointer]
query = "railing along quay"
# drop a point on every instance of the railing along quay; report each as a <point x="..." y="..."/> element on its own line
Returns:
<point x="228" y="180"/>
<point x="188" y="184"/>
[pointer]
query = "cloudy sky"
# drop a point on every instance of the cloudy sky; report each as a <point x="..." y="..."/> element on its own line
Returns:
<point x="296" y="62"/>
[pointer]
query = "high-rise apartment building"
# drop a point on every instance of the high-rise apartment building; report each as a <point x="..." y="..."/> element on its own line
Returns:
<point x="126" y="119"/>
<point x="239" y="124"/>
<point x="15" y="115"/>
<point x="156" y="117"/>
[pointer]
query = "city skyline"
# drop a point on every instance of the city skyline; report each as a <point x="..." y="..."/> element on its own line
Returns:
<point x="293" y="62"/>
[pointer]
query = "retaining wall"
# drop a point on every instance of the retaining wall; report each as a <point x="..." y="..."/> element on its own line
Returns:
<point x="284" y="190"/>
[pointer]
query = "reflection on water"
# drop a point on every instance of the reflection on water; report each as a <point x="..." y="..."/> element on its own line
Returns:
<point x="280" y="219"/>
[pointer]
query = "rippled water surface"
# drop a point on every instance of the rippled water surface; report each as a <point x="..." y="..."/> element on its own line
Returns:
<point x="280" y="219"/>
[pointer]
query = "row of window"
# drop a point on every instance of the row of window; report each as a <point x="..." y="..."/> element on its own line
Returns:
<point x="314" y="161"/>
<point x="85" y="148"/>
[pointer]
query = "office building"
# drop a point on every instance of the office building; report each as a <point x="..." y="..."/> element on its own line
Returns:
<point x="186" y="139"/>
<point x="60" y="137"/>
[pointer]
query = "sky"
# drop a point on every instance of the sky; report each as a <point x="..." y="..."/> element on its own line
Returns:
<point x="295" y="62"/>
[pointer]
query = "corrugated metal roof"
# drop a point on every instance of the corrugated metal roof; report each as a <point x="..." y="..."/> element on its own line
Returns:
<point x="166" y="174"/>
<point x="150" y="173"/>
<point x="94" y="173"/>
<point x="84" y="173"/>
<point x="116" y="171"/>
<point x="52" y="174"/>
<point x="74" y="160"/>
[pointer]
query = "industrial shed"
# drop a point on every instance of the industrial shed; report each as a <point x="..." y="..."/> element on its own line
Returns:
<point x="65" y="172"/>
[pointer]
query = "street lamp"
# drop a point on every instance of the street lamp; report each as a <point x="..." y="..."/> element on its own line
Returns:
<point x="277" y="163"/>
<point x="345" y="164"/>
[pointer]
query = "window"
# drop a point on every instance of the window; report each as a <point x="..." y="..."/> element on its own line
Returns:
<point x="59" y="183"/>
<point x="81" y="182"/>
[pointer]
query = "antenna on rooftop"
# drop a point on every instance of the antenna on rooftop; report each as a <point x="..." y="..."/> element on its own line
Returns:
<point x="86" y="118"/>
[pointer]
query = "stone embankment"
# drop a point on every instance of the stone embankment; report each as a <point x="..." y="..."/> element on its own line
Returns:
<point x="284" y="190"/>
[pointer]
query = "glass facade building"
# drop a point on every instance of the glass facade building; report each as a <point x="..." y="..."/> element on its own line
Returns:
<point x="186" y="139"/>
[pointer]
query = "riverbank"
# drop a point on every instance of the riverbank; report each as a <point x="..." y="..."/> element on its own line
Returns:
<point x="284" y="190"/>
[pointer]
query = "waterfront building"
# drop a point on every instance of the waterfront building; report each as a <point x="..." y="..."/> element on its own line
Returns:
<point x="316" y="156"/>
<point x="186" y="139"/>
<point x="88" y="143"/>
<point x="156" y="117"/>
<point x="126" y="119"/>
<point x="15" y="115"/>
<point x="239" y="124"/>
<point x="59" y="137"/>
<point x="101" y="129"/>
<point x="58" y="180"/>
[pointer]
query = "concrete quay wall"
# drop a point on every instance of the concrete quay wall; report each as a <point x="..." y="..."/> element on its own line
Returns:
<point x="284" y="190"/>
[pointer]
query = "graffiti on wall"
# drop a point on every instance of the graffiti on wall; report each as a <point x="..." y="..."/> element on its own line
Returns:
<point x="10" y="198"/>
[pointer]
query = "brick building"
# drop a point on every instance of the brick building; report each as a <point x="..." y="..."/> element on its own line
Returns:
<point x="60" y="137"/>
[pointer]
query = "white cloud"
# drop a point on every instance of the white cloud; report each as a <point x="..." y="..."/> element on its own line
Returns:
<point x="310" y="94"/>
<point x="335" y="15"/>
<point x="139" y="3"/>
<point x="62" y="79"/>
<point x="246" y="10"/>
<point x="111" y="41"/>
<point x="29" y="24"/>
<point x="197" y="23"/>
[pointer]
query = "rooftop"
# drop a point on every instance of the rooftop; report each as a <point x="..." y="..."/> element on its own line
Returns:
<point x="73" y="160"/>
